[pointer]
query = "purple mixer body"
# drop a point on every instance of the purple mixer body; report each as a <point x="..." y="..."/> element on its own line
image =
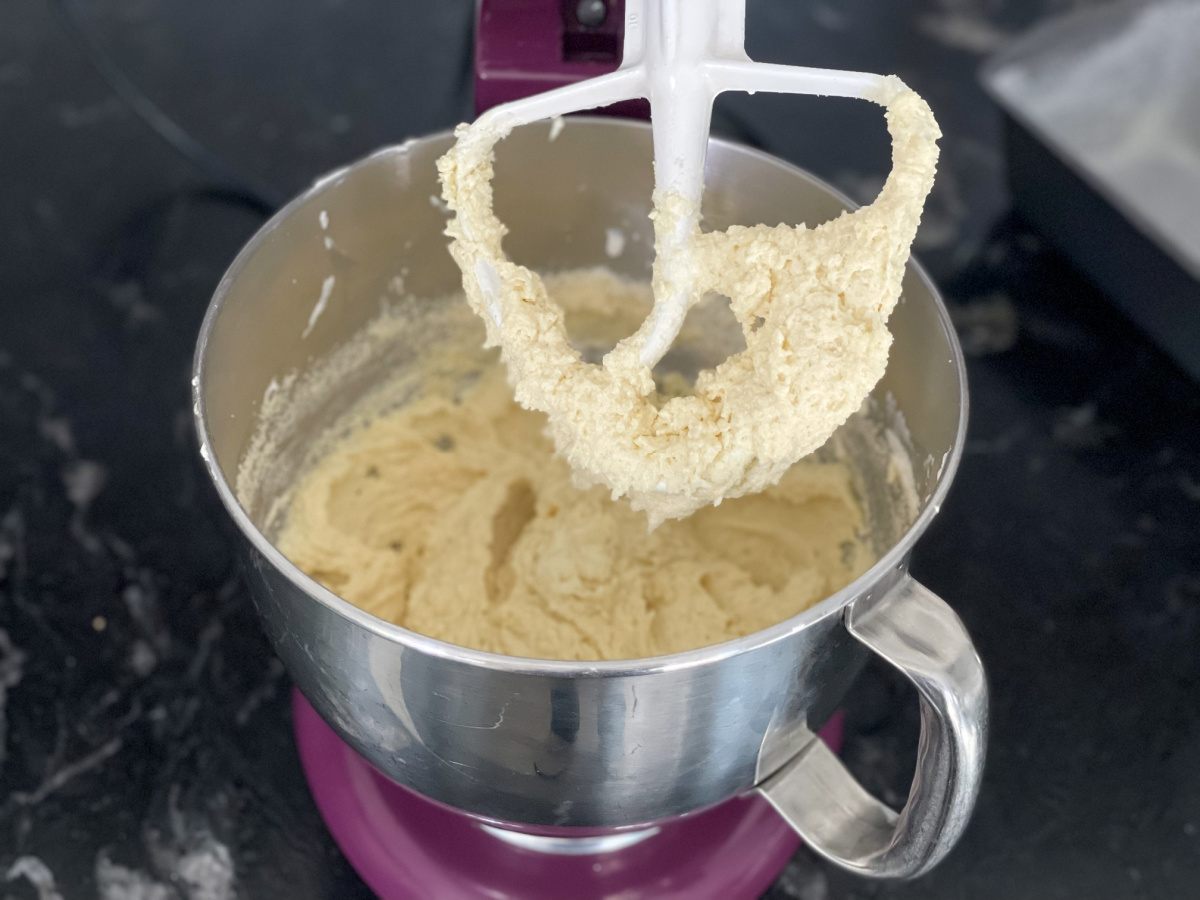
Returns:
<point x="407" y="847"/>
<point x="525" y="47"/>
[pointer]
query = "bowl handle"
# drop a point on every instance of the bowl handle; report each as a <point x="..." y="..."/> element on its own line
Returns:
<point x="918" y="633"/>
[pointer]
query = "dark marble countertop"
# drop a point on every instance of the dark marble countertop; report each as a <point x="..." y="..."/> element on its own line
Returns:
<point x="145" y="737"/>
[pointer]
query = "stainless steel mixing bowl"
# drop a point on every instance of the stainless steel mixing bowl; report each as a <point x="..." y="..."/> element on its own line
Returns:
<point x="605" y="744"/>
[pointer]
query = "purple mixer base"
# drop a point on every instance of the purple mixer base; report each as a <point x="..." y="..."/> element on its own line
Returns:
<point x="407" y="847"/>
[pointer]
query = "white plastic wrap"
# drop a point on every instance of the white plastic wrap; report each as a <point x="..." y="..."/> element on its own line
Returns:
<point x="1117" y="95"/>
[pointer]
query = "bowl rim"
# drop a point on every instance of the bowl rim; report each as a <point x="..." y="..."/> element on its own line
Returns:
<point x="895" y="558"/>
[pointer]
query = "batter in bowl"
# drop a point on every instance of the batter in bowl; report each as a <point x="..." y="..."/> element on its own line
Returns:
<point x="452" y="516"/>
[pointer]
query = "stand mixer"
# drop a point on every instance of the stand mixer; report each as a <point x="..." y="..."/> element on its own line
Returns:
<point x="451" y="773"/>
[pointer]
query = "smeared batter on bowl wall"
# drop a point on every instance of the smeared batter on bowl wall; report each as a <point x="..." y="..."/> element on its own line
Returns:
<point x="453" y="517"/>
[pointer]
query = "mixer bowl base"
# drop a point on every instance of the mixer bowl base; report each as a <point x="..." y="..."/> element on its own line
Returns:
<point x="407" y="847"/>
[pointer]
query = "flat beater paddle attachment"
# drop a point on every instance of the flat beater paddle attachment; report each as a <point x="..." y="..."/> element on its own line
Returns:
<point x="808" y="364"/>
